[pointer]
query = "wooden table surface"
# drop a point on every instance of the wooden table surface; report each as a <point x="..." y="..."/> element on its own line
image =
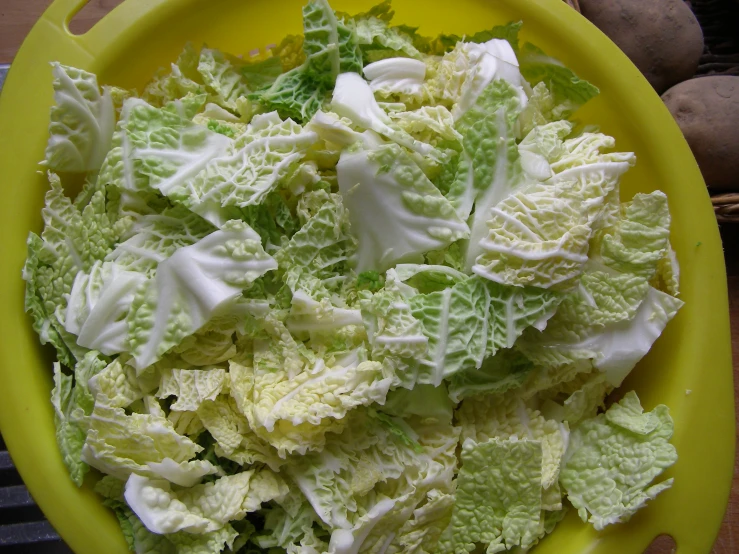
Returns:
<point x="18" y="16"/>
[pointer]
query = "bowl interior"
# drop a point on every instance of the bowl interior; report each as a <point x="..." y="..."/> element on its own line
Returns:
<point x="127" y="47"/>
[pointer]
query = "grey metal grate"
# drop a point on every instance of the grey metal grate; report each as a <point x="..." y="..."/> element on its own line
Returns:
<point x="23" y="527"/>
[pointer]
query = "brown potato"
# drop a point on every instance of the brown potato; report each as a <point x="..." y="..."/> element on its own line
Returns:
<point x="707" y="111"/>
<point x="662" y="37"/>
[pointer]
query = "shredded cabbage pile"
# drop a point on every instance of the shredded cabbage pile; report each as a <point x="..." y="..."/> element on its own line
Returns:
<point x="366" y="295"/>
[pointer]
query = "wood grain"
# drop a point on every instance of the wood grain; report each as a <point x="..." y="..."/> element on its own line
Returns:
<point x="18" y="16"/>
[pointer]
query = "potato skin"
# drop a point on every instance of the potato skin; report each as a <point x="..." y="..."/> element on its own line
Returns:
<point x="661" y="37"/>
<point x="707" y="111"/>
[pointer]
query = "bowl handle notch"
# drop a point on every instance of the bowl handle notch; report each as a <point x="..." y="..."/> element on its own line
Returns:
<point x="61" y="12"/>
<point x="105" y="32"/>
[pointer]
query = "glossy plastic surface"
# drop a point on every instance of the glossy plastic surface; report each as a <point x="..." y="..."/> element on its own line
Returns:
<point x="128" y="45"/>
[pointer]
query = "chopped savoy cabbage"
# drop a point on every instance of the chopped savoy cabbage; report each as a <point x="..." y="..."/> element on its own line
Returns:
<point x="368" y="294"/>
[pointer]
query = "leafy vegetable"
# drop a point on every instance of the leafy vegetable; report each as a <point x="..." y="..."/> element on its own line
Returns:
<point x="566" y="87"/>
<point x="191" y="285"/>
<point x="498" y="374"/>
<point x="521" y="248"/>
<point x="489" y="169"/>
<point x="222" y="77"/>
<point x="330" y="48"/>
<point x="202" y="508"/>
<point x="262" y="157"/>
<point x="158" y="148"/>
<point x="82" y="122"/>
<point x="365" y="294"/>
<point x="72" y="240"/>
<point x="594" y="462"/>
<point x="498" y="506"/>
<point x="394" y="208"/>
<point x="472" y="320"/>
<point x="353" y="99"/>
<point x="182" y="79"/>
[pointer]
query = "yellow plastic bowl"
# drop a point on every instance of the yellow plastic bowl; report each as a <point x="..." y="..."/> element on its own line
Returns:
<point x="689" y="368"/>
